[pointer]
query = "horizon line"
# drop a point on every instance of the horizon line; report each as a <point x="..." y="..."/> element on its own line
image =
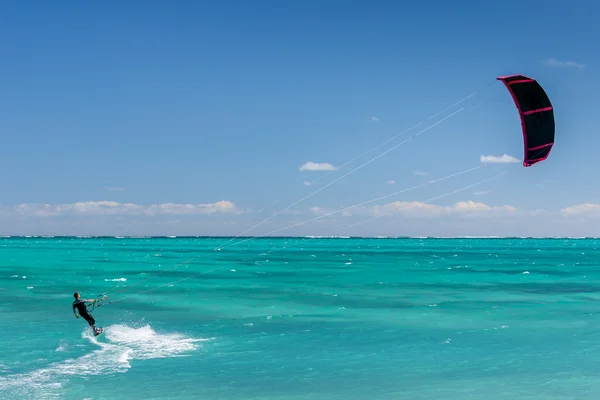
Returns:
<point x="282" y="237"/>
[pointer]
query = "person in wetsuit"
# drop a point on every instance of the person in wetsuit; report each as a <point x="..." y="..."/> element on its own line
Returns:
<point x="79" y="305"/>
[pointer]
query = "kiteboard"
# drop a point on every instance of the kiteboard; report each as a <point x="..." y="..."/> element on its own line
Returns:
<point x="98" y="331"/>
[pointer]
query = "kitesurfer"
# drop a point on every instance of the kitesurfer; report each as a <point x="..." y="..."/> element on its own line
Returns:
<point x="80" y="305"/>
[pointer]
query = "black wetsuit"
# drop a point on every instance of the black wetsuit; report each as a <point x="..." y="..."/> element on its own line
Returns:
<point x="80" y="306"/>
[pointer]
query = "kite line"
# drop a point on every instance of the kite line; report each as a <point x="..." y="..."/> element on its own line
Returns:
<point x="336" y="230"/>
<point x="365" y="163"/>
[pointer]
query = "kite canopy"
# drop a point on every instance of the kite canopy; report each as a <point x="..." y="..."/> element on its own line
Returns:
<point x="537" y="116"/>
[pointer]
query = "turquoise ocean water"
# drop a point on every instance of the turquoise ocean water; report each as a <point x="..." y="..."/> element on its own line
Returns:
<point x="301" y="318"/>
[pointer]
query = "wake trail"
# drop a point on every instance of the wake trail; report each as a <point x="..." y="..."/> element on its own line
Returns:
<point x="117" y="346"/>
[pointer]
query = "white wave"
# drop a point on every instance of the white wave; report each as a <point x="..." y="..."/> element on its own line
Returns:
<point x="62" y="347"/>
<point x="116" y="280"/>
<point x="120" y="345"/>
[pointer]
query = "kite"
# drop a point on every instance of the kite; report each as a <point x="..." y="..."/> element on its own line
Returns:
<point x="537" y="116"/>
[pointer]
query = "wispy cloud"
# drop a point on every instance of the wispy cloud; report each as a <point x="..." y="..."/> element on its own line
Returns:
<point x="553" y="62"/>
<point x="419" y="209"/>
<point x="313" y="166"/>
<point x="375" y="119"/>
<point x="421" y="173"/>
<point x="391" y="182"/>
<point x="106" y="207"/>
<point x="503" y="159"/>
<point x="586" y="209"/>
<point x="466" y="208"/>
<point x="319" y="210"/>
<point x="115" y="189"/>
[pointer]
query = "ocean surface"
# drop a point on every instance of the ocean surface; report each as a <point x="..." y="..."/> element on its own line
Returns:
<point x="301" y="318"/>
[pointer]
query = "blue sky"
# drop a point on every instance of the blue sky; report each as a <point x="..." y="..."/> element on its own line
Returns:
<point x="190" y="118"/>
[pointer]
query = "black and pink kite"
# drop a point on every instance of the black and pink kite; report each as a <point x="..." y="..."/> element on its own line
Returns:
<point x="537" y="116"/>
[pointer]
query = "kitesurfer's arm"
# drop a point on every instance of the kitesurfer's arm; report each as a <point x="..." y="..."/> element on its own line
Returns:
<point x="75" y="311"/>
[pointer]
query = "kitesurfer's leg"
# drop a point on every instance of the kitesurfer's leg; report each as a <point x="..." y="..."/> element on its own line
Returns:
<point x="90" y="320"/>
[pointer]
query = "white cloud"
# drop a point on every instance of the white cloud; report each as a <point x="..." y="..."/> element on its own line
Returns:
<point x="413" y="208"/>
<point x="473" y="206"/>
<point x="421" y="173"/>
<point x="375" y="119"/>
<point x="419" y="209"/>
<point x="416" y="209"/>
<point x="391" y="182"/>
<point x="89" y="208"/>
<point x="312" y="166"/>
<point x="307" y="183"/>
<point x="553" y="62"/>
<point x="461" y="218"/>
<point x="503" y="159"/>
<point x="319" y="210"/>
<point x="586" y="209"/>
<point x="115" y="189"/>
